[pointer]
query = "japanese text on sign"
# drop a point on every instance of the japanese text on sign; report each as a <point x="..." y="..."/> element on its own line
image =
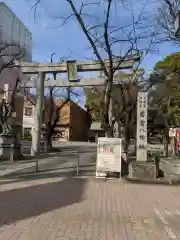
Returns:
<point x="142" y="120"/>
<point x="104" y="148"/>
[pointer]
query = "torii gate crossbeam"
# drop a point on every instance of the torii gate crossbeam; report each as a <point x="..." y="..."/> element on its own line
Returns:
<point x="82" y="66"/>
<point x="43" y="68"/>
<point x="82" y="82"/>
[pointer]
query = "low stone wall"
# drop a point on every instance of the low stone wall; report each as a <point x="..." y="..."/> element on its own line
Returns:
<point x="10" y="148"/>
<point x="143" y="170"/>
<point x="171" y="169"/>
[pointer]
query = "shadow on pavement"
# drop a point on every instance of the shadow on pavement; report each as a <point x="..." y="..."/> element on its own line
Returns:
<point x="70" y="170"/>
<point x="45" y="155"/>
<point x="32" y="201"/>
<point x="30" y="174"/>
<point x="57" y="151"/>
<point x="151" y="182"/>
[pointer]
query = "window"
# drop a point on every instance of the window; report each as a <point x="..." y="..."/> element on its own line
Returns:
<point x="28" y="111"/>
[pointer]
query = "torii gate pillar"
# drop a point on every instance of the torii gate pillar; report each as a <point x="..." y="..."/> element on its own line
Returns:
<point x="38" y="116"/>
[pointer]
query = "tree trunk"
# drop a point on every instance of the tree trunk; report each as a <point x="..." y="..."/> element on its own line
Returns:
<point x="173" y="143"/>
<point x="49" y="144"/>
<point x="48" y="137"/>
<point x="126" y="141"/>
<point x="166" y="143"/>
<point x="107" y="118"/>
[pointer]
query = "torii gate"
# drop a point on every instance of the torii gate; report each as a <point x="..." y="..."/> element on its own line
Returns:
<point x="70" y="66"/>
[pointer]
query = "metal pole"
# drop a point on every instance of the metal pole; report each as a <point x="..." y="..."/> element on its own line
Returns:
<point x="37" y="166"/>
<point x="35" y="148"/>
<point x="12" y="153"/>
<point x="77" y="167"/>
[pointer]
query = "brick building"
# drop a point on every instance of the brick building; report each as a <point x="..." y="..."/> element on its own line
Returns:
<point x="72" y="124"/>
<point x="73" y="121"/>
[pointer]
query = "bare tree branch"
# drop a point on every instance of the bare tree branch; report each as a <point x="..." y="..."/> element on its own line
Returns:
<point x="165" y="20"/>
<point x="112" y="37"/>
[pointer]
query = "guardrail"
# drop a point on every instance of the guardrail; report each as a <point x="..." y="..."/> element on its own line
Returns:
<point x="75" y="153"/>
<point x="26" y="147"/>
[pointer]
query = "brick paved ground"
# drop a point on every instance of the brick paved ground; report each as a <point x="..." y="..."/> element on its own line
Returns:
<point x="88" y="209"/>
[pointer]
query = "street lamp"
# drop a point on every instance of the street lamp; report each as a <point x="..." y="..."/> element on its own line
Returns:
<point x="54" y="74"/>
<point x="52" y="57"/>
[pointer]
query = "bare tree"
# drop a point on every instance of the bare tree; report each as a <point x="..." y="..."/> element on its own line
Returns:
<point x="165" y="18"/>
<point x="52" y="112"/>
<point x="53" y="109"/>
<point x="113" y="30"/>
<point x="9" y="52"/>
<point x="126" y="109"/>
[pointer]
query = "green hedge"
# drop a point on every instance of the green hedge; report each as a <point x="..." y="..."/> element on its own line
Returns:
<point x="26" y="138"/>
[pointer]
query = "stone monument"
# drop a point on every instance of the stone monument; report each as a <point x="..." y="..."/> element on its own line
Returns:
<point x="141" y="135"/>
<point x="142" y="168"/>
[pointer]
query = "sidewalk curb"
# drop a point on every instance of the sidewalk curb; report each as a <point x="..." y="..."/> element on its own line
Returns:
<point x="4" y="173"/>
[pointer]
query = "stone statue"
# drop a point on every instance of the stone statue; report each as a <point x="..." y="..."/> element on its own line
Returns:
<point x="5" y="118"/>
<point x="10" y="146"/>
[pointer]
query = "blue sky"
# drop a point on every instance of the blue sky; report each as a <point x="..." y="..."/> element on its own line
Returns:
<point x="47" y="39"/>
<point x="67" y="41"/>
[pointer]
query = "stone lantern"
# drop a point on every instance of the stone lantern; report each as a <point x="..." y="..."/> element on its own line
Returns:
<point x="10" y="146"/>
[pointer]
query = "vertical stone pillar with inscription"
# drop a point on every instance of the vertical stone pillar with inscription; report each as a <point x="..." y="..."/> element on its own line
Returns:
<point x="141" y="137"/>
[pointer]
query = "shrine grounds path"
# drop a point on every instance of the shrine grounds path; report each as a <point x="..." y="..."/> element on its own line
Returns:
<point x="55" y="204"/>
<point x="67" y="208"/>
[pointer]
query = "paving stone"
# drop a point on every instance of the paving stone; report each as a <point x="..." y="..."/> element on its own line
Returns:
<point x="88" y="209"/>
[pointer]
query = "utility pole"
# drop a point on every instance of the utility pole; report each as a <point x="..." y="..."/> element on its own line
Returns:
<point x="38" y="116"/>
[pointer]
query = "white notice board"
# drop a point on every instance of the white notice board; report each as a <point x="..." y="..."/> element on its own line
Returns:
<point x="109" y="155"/>
<point x="172" y="132"/>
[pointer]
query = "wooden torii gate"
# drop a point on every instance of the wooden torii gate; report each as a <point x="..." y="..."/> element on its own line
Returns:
<point x="81" y="66"/>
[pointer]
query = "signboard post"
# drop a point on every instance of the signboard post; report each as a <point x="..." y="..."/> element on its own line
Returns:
<point x="108" y="156"/>
<point x="172" y="136"/>
<point x="141" y="151"/>
<point x="177" y="148"/>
